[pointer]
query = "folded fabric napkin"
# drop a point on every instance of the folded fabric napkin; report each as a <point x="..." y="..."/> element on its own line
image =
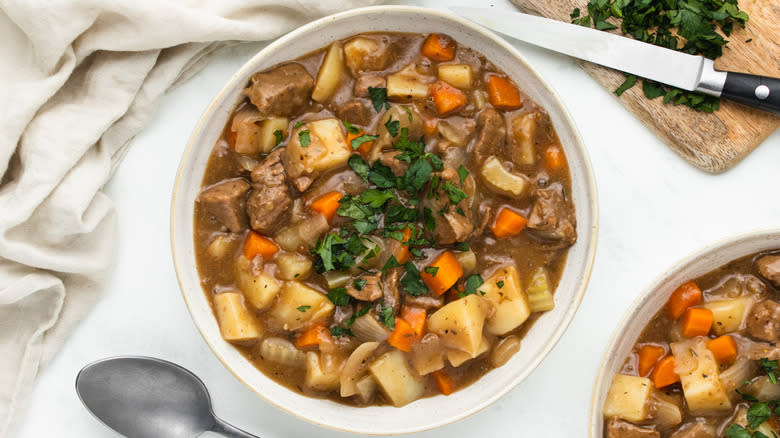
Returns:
<point x="78" y="79"/>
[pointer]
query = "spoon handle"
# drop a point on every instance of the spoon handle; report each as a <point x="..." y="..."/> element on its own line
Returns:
<point x="230" y="431"/>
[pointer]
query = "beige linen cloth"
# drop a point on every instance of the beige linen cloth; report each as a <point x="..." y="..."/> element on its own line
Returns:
<point x="78" y="79"/>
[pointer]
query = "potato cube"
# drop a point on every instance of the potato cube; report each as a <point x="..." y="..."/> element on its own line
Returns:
<point x="259" y="289"/>
<point x="324" y="147"/>
<point x="694" y="362"/>
<point x="523" y="136"/>
<point x="627" y="398"/>
<point x="330" y="74"/>
<point x="729" y="315"/>
<point x="246" y="126"/>
<point x="266" y="136"/>
<point x="294" y="295"/>
<point x="458" y="357"/>
<point x="236" y="323"/>
<point x="293" y="266"/>
<point x="316" y="378"/>
<point x="365" y="54"/>
<point x="496" y="175"/>
<point x="459" y="324"/>
<point x="396" y="379"/>
<point x="457" y="75"/>
<point x="504" y="291"/>
<point x="407" y="84"/>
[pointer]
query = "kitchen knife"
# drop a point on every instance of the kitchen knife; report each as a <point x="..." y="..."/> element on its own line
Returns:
<point x="681" y="70"/>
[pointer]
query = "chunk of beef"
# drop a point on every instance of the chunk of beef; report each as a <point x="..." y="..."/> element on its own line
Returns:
<point x="356" y="111"/>
<point x="623" y="429"/>
<point x="452" y="155"/>
<point x="391" y="296"/>
<point x="763" y="322"/>
<point x="424" y="301"/>
<point x="269" y="200"/>
<point x="366" y="81"/>
<point x="367" y="287"/>
<point x="283" y="91"/>
<point x="552" y="218"/>
<point x="695" y="430"/>
<point x="491" y="135"/>
<point x="226" y="201"/>
<point x="452" y="222"/>
<point x="769" y="267"/>
<point x="398" y="167"/>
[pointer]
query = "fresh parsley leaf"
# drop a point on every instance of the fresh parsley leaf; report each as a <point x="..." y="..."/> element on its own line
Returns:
<point x="391" y="263"/>
<point x="412" y="282"/>
<point x="417" y="252"/>
<point x="737" y="431"/>
<point x="745" y="396"/>
<point x="770" y="368"/>
<point x="382" y="176"/>
<point x="358" y="141"/>
<point x="757" y="414"/>
<point x="303" y="308"/>
<point x="359" y="284"/>
<point x="438" y="164"/>
<point x="409" y="112"/>
<point x="339" y="296"/>
<point x="324" y="249"/>
<point x="462" y="246"/>
<point x="418" y="174"/>
<point x="429" y="222"/>
<point x="431" y="270"/>
<point x="652" y="89"/>
<point x="379" y="98"/>
<point x="472" y="283"/>
<point x="463" y="173"/>
<point x="297" y="125"/>
<point x="628" y="83"/>
<point x="278" y="136"/>
<point x="338" y="332"/>
<point x="304" y="137"/>
<point x="393" y="126"/>
<point x="387" y="317"/>
<point x="500" y="284"/>
<point x="455" y="194"/>
<point x="352" y="129"/>
<point x="351" y="320"/>
<point x="376" y="198"/>
<point x="398" y="213"/>
<point x="359" y="165"/>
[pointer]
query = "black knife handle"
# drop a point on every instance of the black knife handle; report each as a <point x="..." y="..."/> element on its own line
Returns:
<point x="758" y="91"/>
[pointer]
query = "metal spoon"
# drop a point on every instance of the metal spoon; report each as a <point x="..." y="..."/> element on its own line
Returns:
<point x="143" y="397"/>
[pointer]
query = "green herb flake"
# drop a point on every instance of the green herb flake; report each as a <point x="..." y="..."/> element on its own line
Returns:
<point x="352" y="129"/>
<point x="304" y="137"/>
<point x="500" y="284"/>
<point x="462" y="246"/>
<point x="387" y="317"/>
<point x="358" y="141"/>
<point x="770" y="368"/>
<point x="412" y="282"/>
<point x="628" y="83"/>
<point x="338" y="332"/>
<point x="455" y="194"/>
<point x="359" y="284"/>
<point x="303" y="308"/>
<point x="418" y="174"/>
<point x="472" y="283"/>
<point x="379" y="98"/>
<point x="431" y="270"/>
<point x="393" y="126"/>
<point x="297" y="125"/>
<point x="339" y="296"/>
<point x="278" y="136"/>
<point x="351" y="320"/>
<point x="391" y="263"/>
<point x="359" y="165"/>
<point x="463" y="173"/>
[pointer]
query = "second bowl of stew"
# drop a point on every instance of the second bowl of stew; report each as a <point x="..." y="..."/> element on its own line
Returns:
<point x="381" y="209"/>
<point x="697" y="356"/>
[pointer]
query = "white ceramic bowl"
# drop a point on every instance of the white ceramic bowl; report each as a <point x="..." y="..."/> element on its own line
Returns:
<point x="655" y="297"/>
<point x="430" y="412"/>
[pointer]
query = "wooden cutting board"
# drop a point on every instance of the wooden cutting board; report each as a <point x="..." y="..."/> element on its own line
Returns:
<point x="712" y="142"/>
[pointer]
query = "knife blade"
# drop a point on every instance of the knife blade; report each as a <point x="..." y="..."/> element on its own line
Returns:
<point x="681" y="70"/>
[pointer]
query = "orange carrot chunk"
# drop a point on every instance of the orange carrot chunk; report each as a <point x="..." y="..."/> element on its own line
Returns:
<point x="403" y="254"/>
<point x="415" y="316"/>
<point x="314" y="336"/>
<point x="327" y="204"/>
<point x="442" y="273"/>
<point x="685" y="296"/>
<point x="364" y="148"/>
<point x="402" y="336"/>
<point x="648" y="356"/>
<point x="444" y="382"/>
<point x="447" y="98"/>
<point x="696" y="322"/>
<point x="258" y="244"/>
<point x="724" y="348"/>
<point x="503" y="94"/>
<point x="508" y="223"/>
<point x="439" y="47"/>
<point x="554" y="157"/>
<point x="663" y="374"/>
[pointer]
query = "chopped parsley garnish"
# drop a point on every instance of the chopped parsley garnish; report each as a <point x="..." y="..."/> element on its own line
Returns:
<point x="359" y="284"/>
<point x="463" y="173"/>
<point x="429" y="222"/>
<point x="379" y="98"/>
<point x="338" y="332"/>
<point x="304" y="137"/>
<point x="698" y="24"/>
<point x="418" y="174"/>
<point x="358" y="141"/>
<point x="382" y="176"/>
<point x="297" y="125"/>
<point x="278" y="136"/>
<point x="408" y="112"/>
<point x="472" y="283"/>
<point x="352" y="129"/>
<point x="757" y="414"/>
<point x="500" y="284"/>
<point x="303" y="308"/>
<point x="393" y="126"/>
<point x="412" y="282"/>
<point x="462" y="246"/>
<point x="455" y="194"/>
<point x="770" y="368"/>
<point x="745" y="396"/>
<point x="391" y="263"/>
<point x="387" y="317"/>
<point x="351" y="320"/>
<point x="359" y="165"/>
<point x="339" y="296"/>
<point x="431" y="270"/>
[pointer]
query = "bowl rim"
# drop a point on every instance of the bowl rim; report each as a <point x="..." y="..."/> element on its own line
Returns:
<point x="596" y="417"/>
<point x="591" y="190"/>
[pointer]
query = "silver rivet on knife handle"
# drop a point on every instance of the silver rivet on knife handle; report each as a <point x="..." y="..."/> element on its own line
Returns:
<point x="711" y="81"/>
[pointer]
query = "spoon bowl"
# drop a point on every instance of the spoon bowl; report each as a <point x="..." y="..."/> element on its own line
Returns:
<point x="143" y="397"/>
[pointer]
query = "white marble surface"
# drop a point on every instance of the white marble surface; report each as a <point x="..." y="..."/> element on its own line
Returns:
<point x="654" y="210"/>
